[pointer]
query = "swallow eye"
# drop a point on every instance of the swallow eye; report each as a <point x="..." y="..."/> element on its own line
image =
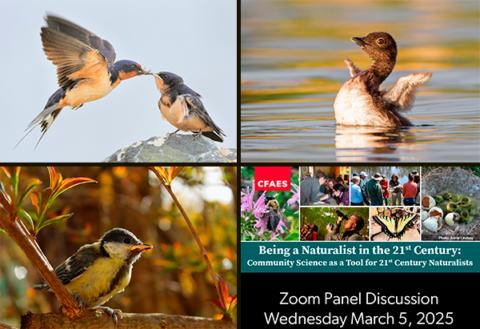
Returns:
<point x="126" y="241"/>
<point x="380" y="41"/>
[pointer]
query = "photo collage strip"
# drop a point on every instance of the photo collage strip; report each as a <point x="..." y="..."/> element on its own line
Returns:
<point x="364" y="203"/>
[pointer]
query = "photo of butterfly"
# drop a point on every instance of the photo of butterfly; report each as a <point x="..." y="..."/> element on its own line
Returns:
<point x="274" y="214"/>
<point x="395" y="227"/>
<point x="400" y="223"/>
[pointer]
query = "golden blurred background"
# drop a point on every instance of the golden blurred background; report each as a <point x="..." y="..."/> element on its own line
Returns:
<point x="170" y="279"/>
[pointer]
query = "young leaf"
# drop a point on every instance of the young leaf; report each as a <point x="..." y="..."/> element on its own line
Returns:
<point x="36" y="197"/>
<point x="45" y="202"/>
<point x="54" y="178"/>
<point x="231" y="302"/>
<point x="7" y="171"/>
<point x="11" y="171"/>
<point x="215" y="302"/>
<point x="54" y="220"/>
<point x="161" y="174"/>
<point x="27" y="189"/>
<point x="27" y="216"/>
<point x="175" y="172"/>
<point x="68" y="183"/>
<point x="223" y="291"/>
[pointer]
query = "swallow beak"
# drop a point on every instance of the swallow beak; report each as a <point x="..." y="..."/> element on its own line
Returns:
<point x="141" y="247"/>
<point x="358" y="41"/>
<point x="141" y="71"/>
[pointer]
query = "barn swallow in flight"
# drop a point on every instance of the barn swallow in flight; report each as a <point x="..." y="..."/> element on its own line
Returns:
<point x="183" y="109"/>
<point x="86" y="68"/>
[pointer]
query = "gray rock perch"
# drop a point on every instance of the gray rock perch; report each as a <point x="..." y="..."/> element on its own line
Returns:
<point x="175" y="148"/>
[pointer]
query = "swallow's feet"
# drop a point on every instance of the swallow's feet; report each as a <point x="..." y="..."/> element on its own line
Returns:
<point x="76" y="108"/>
<point x="196" y="136"/>
<point x="111" y="312"/>
<point x="174" y="133"/>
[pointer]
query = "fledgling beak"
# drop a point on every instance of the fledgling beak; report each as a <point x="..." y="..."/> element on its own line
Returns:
<point x="358" y="41"/>
<point x="142" y="247"/>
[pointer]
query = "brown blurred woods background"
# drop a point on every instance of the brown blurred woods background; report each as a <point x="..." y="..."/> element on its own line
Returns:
<point x="172" y="278"/>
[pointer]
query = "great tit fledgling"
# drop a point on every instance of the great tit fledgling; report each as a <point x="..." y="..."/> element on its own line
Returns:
<point x="100" y="270"/>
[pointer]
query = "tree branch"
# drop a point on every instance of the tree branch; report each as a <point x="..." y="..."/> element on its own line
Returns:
<point x="95" y="320"/>
<point x="19" y="233"/>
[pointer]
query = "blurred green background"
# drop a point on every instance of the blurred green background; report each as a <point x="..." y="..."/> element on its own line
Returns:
<point x="321" y="216"/>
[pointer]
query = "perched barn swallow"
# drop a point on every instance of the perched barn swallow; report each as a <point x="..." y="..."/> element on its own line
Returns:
<point x="86" y="68"/>
<point x="183" y="109"/>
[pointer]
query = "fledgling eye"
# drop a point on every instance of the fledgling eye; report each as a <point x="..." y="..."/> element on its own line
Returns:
<point x="380" y="41"/>
<point x="126" y="241"/>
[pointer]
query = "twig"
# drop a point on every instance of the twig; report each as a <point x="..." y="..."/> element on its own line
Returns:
<point x="19" y="233"/>
<point x="472" y="228"/>
<point x="192" y="229"/>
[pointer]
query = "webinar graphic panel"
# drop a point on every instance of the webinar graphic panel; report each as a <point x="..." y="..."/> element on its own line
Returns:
<point x="374" y="245"/>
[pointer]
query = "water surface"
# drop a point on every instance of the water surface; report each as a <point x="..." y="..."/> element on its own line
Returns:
<point x="292" y="67"/>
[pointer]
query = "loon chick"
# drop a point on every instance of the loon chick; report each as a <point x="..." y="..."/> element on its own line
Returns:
<point x="360" y="102"/>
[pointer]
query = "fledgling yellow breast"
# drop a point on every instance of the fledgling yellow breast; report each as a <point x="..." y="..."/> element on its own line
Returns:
<point x="94" y="286"/>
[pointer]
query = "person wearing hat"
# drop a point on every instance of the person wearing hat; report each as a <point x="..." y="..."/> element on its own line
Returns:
<point x="363" y="175"/>
<point x="409" y="191"/>
<point x="384" y="185"/>
<point x="356" y="192"/>
<point x="373" y="190"/>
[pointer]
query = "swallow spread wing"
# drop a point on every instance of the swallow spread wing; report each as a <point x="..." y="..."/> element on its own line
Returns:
<point x="77" y="53"/>
<point x="85" y="68"/>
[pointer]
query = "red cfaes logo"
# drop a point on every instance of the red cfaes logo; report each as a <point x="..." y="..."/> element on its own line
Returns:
<point x="272" y="178"/>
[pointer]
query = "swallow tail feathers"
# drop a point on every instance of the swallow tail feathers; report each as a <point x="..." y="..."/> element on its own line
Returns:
<point x="47" y="116"/>
<point x="213" y="136"/>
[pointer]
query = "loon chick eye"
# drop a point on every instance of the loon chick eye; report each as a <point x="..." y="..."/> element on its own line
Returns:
<point x="126" y="241"/>
<point x="381" y="41"/>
